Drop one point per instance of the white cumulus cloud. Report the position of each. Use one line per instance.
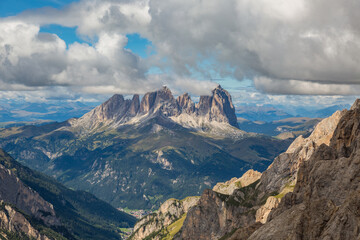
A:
(286, 47)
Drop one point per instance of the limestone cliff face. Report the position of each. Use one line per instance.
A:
(254, 205)
(217, 107)
(134, 106)
(222, 109)
(284, 169)
(112, 108)
(15, 196)
(117, 111)
(217, 214)
(160, 101)
(325, 203)
(228, 187)
(13, 221)
(170, 211)
(186, 104)
(281, 175)
(263, 212)
(13, 191)
(147, 102)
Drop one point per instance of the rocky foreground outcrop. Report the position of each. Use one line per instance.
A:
(228, 187)
(309, 192)
(29, 201)
(282, 172)
(13, 191)
(14, 223)
(218, 214)
(15, 195)
(169, 212)
(325, 203)
(117, 110)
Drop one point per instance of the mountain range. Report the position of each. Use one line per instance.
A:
(137, 154)
(270, 113)
(285, 128)
(15, 112)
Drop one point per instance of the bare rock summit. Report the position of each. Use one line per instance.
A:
(117, 110)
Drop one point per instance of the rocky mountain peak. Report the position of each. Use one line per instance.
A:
(110, 108)
(355, 105)
(222, 106)
(147, 102)
(185, 103)
(161, 101)
(116, 111)
(134, 106)
(218, 107)
(164, 96)
(165, 93)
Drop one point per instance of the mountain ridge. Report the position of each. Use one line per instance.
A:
(119, 111)
(148, 150)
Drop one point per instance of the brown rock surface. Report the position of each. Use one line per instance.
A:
(285, 167)
(213, 217)
(186, 104)
(217, 214)
(114, 107)
(263, 212)
(13, 221)
(134, 106)
(246, 179)
(13, 191)
(217, 107)
(325, 203)
(222, 109)
(170, 211)
(117, 110)
(147, 102)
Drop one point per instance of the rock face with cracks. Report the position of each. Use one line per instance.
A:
(228, 187)
(169, 212)
(117, 110)
(13, 221)
(13, 191)
(325, 203)
(312, 191)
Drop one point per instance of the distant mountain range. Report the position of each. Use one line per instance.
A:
(36, 112)
(285, 128)
(117, 111)
(137, 154)
(255, 113)
(270, 113)
(21, 113)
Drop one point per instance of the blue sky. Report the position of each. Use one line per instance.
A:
(11, 7)
(136, 43)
